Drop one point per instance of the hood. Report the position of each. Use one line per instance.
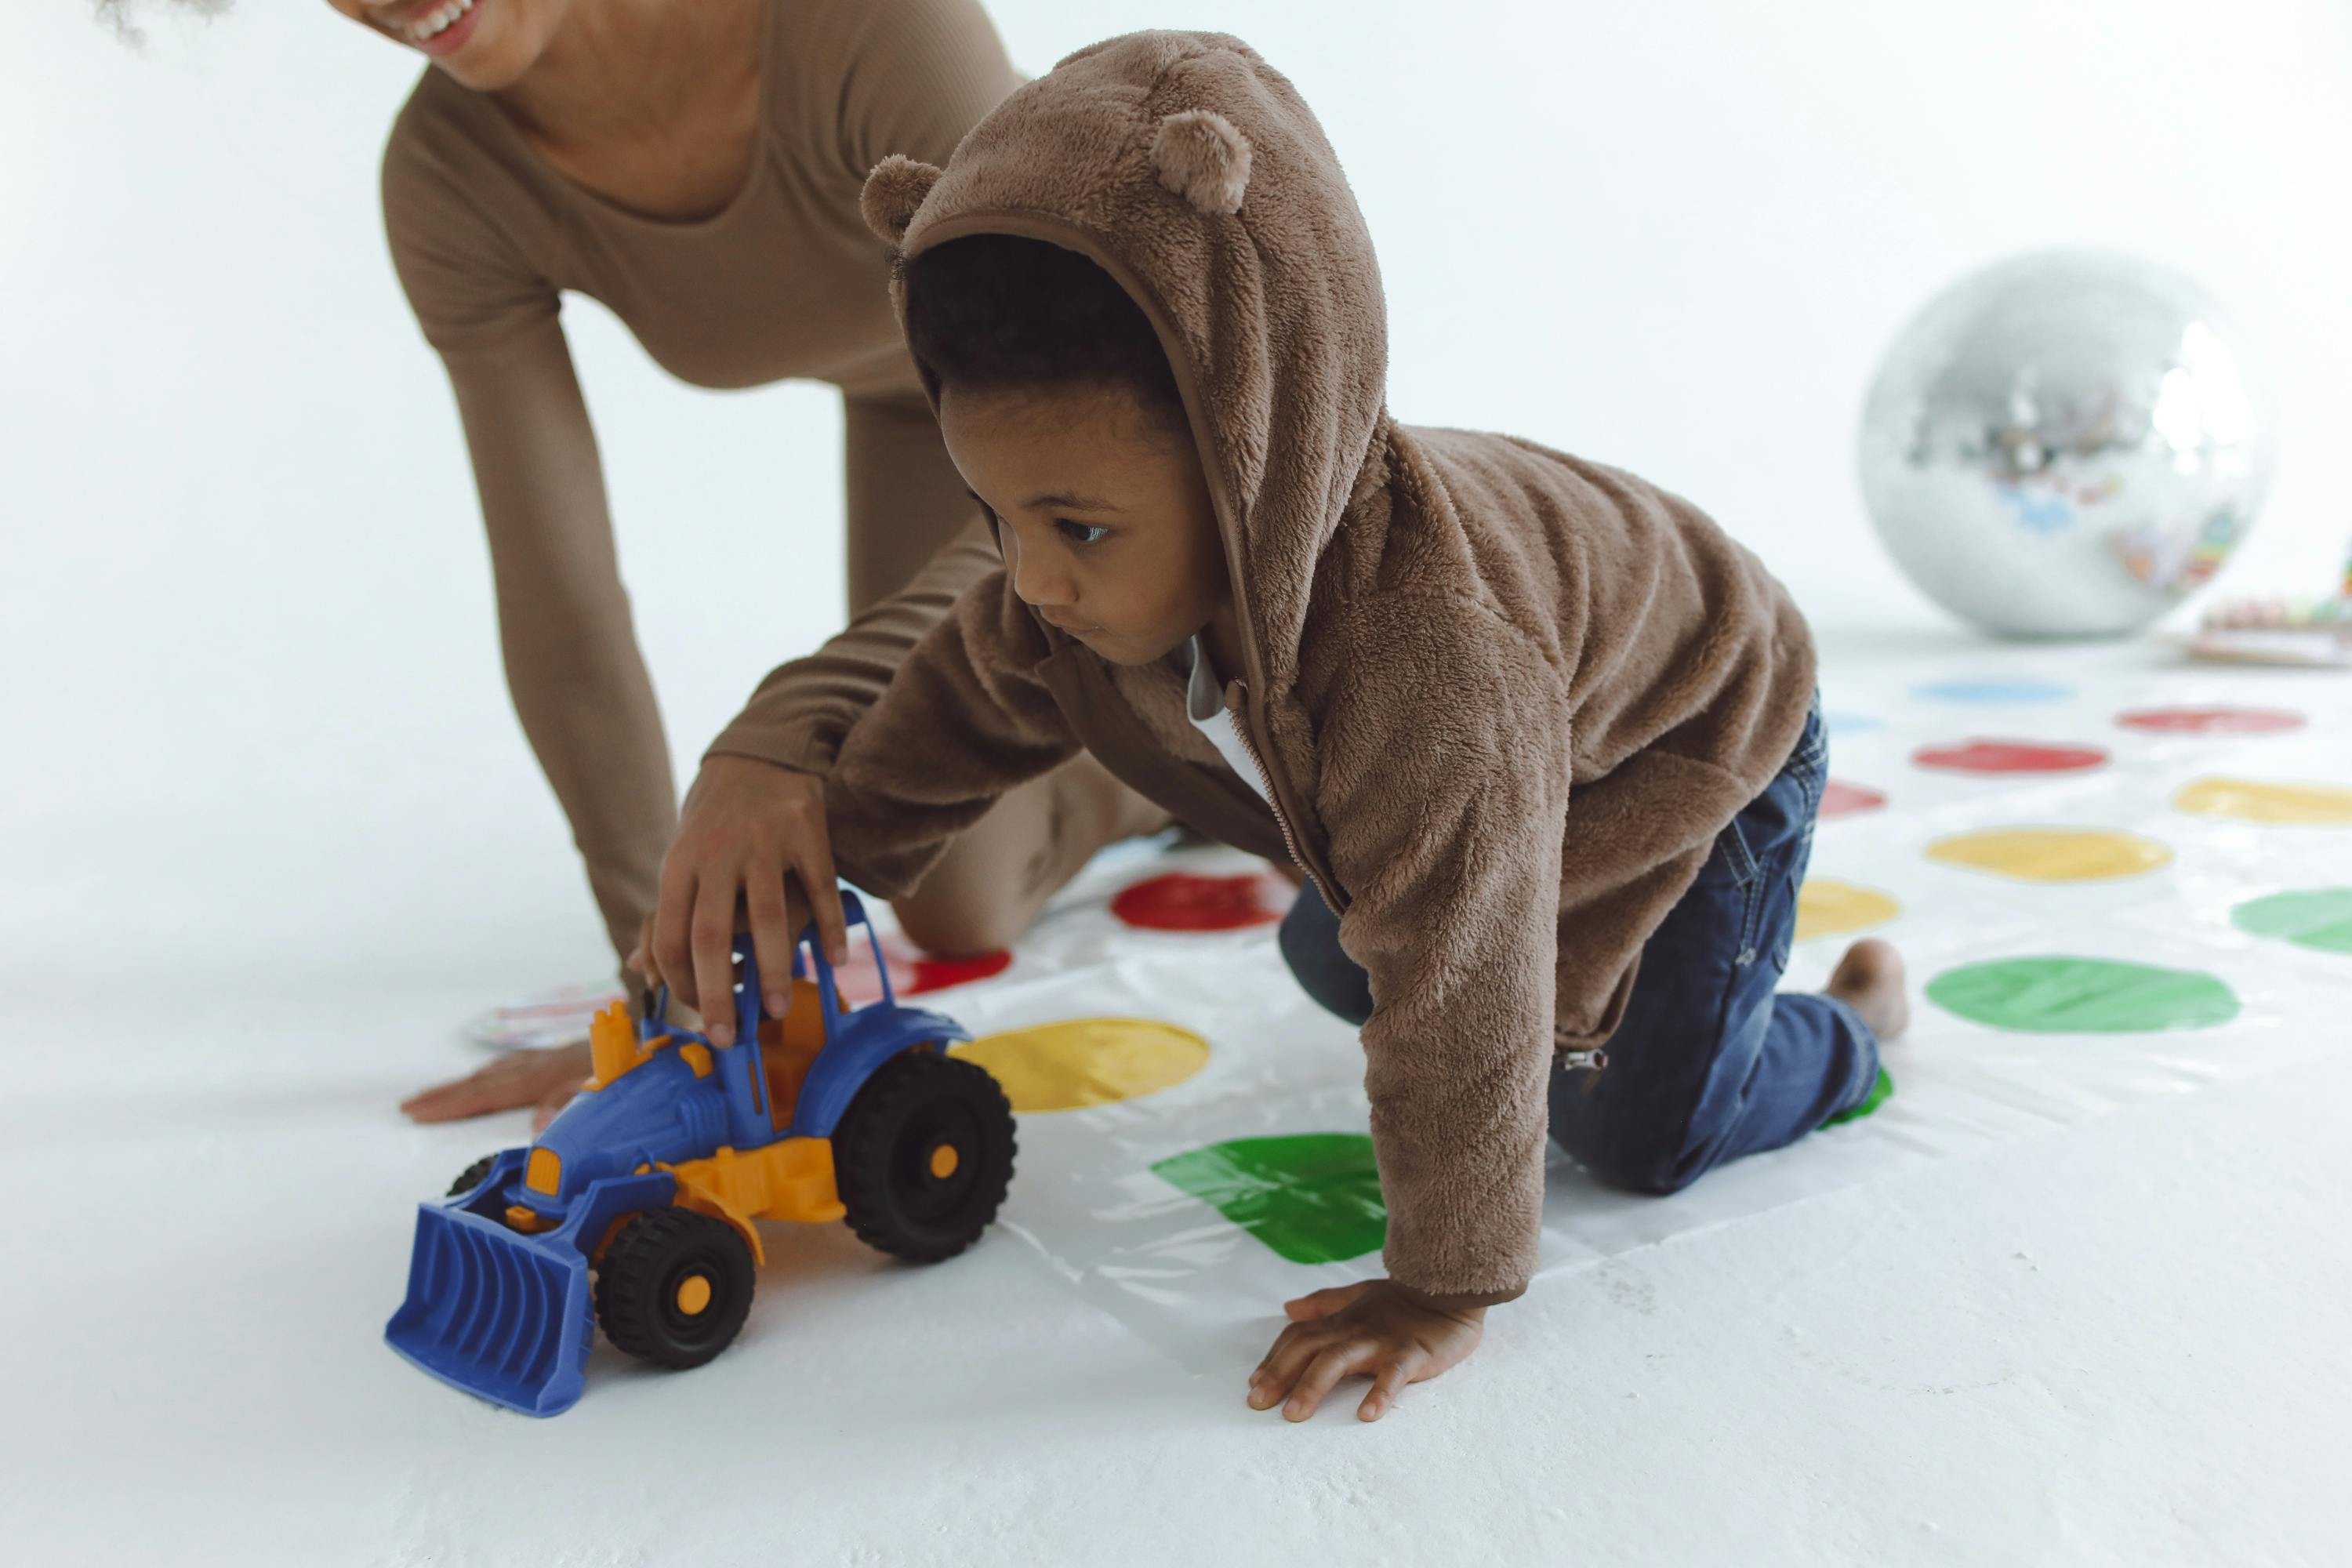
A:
(1191, 172)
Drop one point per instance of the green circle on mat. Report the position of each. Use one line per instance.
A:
(1312, 1197)
(1881, 1090)
(2317, 917)
(2082, 997)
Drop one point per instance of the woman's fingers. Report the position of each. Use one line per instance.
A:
(553, 1101)
(453, 1101)
(516, 1078)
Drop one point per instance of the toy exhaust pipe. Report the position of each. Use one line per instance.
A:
(504, 1316)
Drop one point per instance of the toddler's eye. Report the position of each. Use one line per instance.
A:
(1079, 532)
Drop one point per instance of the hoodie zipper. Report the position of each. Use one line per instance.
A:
(1239, 716)
(1591, 1061)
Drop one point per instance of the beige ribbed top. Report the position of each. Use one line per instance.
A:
(785, 281)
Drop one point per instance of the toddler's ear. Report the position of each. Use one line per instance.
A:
(893, 191)
(1202, 158)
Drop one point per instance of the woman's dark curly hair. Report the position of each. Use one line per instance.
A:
(993, 313)
(116, 14)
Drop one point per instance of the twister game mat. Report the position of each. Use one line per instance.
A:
(2112, 877)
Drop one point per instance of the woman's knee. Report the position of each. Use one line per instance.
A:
(962, 920)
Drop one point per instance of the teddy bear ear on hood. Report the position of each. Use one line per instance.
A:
(1200, 157)
(893, 191)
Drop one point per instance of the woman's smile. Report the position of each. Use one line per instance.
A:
(441, 30)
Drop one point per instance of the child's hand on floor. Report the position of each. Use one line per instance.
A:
(1379, 1327)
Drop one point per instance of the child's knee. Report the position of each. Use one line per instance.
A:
(1309, 941)
(1658, 1173)
(1650, 1163)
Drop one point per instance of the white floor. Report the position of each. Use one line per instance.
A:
(2118, 1337)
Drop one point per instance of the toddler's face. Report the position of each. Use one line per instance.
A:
(1106, 517)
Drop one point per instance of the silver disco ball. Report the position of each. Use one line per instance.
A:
(2066, 444)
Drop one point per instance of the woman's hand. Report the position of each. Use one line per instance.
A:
(545, 1077)
(1379, 1328)
(746, 825)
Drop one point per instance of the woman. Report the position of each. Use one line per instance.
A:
(696, 165)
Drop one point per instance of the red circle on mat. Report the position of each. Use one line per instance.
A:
(1181, 901)
(2009, 757)
(2212, 721)
(1845, 799)
(912, 971)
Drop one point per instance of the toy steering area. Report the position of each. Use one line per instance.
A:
(652, 1176)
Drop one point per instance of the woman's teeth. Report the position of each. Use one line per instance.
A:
(436, 23)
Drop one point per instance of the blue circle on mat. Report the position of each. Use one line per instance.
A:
(1851, 723)
(1994, 690)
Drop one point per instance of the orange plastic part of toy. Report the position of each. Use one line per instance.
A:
(612, 1047)
(789, 1045)
(791, 1179)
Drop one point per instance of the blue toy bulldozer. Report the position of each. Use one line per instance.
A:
(653, 1175)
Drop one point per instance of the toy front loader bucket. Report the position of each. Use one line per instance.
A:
(494, 1312)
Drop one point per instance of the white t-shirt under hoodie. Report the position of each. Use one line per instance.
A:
(1204, 704)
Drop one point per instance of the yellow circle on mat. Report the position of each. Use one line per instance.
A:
(1825, 907)
(693, 1294)
(2249, 800)
(1088, 1061)
(2052, 853)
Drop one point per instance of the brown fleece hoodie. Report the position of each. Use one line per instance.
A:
(1504, 698)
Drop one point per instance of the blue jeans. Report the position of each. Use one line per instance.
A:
(1709, 1062)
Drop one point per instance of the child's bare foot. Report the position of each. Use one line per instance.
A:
(1869, 979)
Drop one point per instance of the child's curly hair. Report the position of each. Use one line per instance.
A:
(117, 15)
(995, 313)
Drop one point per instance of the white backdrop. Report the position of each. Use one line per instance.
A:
(253, 716)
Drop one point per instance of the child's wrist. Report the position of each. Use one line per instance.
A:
(1472, 1305)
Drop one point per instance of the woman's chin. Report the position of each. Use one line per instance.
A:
(489, 49)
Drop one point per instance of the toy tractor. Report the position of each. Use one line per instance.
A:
(655, 1173)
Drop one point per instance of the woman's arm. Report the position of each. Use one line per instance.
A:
(911, 77)
(578, 684)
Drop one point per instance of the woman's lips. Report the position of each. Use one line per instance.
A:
(454, 32)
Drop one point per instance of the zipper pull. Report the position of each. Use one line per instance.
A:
(1583, 1061)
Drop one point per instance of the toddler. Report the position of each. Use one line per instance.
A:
(1542, 738)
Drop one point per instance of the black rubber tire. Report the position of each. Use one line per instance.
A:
(882, 1155)
(645, 1267)
(471, 1176)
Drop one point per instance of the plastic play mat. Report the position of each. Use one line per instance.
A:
(2112, 878)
